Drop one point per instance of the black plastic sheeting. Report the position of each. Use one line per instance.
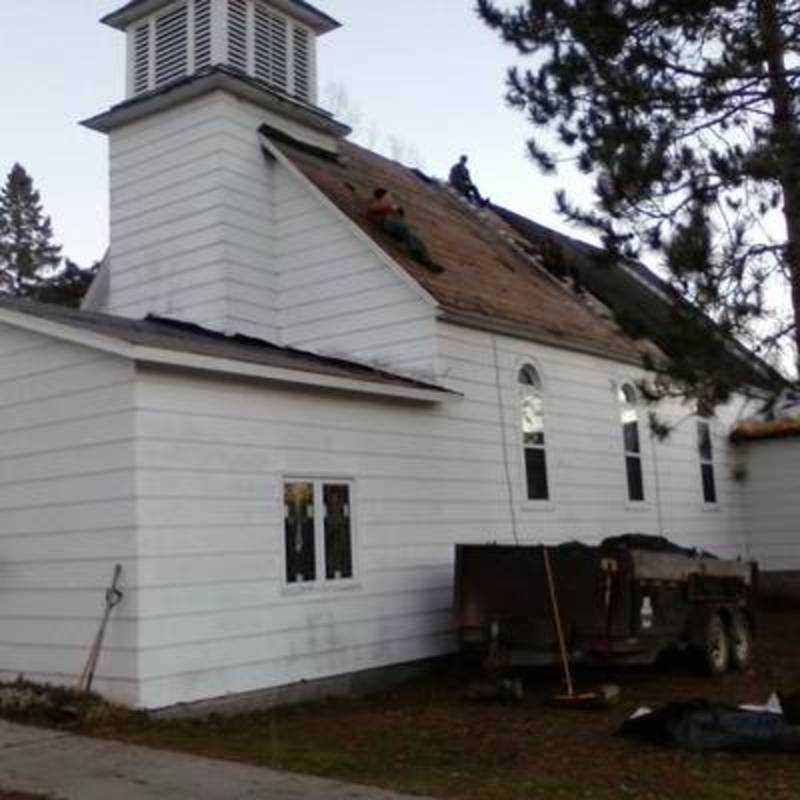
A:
(700, 726)
(653, 544)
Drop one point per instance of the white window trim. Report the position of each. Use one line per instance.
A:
(707, 505)
(630, 505)
(321, 585)
(526, 504)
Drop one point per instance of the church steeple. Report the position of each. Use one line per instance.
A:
(194, 228)
(273, 41)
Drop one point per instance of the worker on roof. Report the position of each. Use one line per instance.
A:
(391, 217)
(382, 206)
(461, 181)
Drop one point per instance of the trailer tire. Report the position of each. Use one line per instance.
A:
(716, 646)
(740, 637)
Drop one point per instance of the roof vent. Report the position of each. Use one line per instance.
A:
(261, 38)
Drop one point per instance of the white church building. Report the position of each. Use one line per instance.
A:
(278, 421)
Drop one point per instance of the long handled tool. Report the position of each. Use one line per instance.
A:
(571, 698)
(113, 598)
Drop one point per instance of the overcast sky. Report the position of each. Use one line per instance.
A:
(426, 71)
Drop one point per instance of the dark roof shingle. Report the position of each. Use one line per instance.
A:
(184, 337)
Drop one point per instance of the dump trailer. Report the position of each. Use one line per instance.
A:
(623, 602)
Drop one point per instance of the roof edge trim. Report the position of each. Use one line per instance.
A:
(317, 20)
(212, 79)
(217, 365)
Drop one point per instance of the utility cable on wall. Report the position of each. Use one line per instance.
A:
(504, 439)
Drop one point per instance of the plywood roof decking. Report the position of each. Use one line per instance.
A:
(483, 274)
(183, 337)
(755, 430)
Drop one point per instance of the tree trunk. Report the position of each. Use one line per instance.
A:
(788, 141)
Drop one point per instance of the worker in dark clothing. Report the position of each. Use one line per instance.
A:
(461, 181)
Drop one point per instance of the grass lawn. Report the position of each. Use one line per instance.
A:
(426, 738)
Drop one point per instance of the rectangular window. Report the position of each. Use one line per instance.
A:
(536, 473)
(706, 452)
(318, 531)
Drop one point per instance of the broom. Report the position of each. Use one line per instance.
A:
(571, 699)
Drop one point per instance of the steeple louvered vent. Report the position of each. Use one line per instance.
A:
(172, 45)
(141, 58)
(302, 63)
(252, 36)
(271, 47)
(237, 34)
(202, 34)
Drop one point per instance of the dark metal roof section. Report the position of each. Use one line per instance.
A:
(317, 20)
(636, 293)
(185, 337)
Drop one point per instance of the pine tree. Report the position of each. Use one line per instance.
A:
(28, 255)
(686, 113)
(67, 286)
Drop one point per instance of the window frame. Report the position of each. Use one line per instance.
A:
(528, 503)
(623, 405)
(708, 505)
(321, 583)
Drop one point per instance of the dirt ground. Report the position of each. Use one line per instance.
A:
(427, 738)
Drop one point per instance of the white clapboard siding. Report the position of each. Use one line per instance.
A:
(585, 452)
(207, 229)
(191, 226)
(772, 477)
(337, 295)
(212, 457)
(215, 616)
(66, 510)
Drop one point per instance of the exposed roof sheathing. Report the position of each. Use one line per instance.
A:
(755, 430)
(483, 274)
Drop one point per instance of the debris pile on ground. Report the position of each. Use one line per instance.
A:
(22, 701)
(700, 725)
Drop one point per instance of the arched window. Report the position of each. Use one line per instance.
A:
(629, 417)
(532, 407)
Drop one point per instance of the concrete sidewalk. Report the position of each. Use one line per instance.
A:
(69, 767)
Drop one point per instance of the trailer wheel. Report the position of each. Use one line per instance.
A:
(741, 641)
(716, 649)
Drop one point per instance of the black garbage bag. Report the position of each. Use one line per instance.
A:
(700, 725)
(653, 544)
